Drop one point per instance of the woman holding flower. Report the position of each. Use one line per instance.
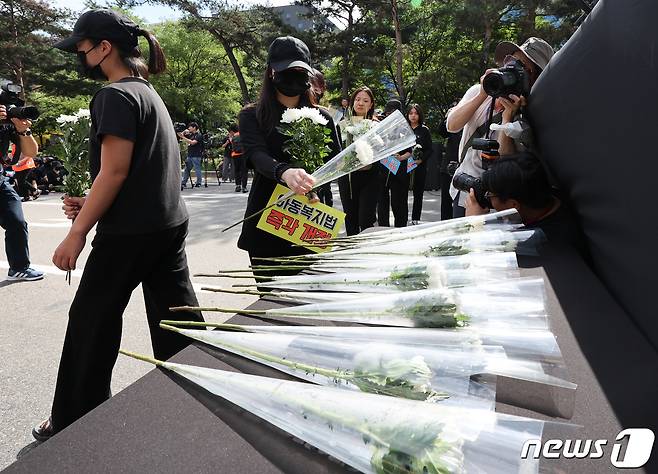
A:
(286, 98)
(136, 206)
(416, 119)
(359, 190)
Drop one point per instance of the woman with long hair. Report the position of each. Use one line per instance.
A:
(416, 119)
(286, 84)
(134, 202)
(359, 190)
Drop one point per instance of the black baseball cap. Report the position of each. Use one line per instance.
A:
(286, 52)
(101, 24)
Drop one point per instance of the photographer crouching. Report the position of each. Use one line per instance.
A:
(519, 181)
(12, 220)
(488, 114)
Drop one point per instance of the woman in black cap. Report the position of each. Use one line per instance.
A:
(286, 84)
(140, 218)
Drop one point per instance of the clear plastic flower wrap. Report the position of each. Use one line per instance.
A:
(391, 135)
(516, 304)
(417, 276)
(538, 345)
(502, 260)
(430, 231)
(437, 246)
(374, 433)
(424, 373)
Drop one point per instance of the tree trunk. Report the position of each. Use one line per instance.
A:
(347, 45)
(18, 62)
(486, 43)
(235, 64)
(398, 52)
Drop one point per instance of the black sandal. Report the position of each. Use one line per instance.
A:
(44, 431)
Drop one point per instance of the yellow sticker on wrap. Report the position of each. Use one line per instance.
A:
(298, 221)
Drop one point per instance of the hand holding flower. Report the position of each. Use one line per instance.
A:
(298, 180)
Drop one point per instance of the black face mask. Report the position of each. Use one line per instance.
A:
(91, 72)
(291, 83)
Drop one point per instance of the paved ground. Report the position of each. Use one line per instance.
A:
(33, 315)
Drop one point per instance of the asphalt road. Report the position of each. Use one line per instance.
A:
(33, 315)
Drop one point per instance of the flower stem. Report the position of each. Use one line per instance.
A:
(143, 358)
(172, 325)
(219, 310)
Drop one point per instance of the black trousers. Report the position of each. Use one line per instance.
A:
(419, 177)
(116, 266)
(395, 196)
(446, 200)
(13, 222)
(359, 192)
(241, 171)
(457, 210)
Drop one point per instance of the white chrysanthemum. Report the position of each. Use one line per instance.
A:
(83, 113)
(437, 276)
(358, 128)
(364, 152)
(419, 146)
(62, 119)
(293, 115)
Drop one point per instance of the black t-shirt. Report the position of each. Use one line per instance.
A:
(150, 199)
(264, 151)
(197, 148)
(562, 228)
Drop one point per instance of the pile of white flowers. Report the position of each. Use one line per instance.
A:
(294, 115)
(82, 113)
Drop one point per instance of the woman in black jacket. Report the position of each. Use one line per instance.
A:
(286, 84)
(424, 139)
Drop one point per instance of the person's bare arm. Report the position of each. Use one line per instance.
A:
(461, 113)
(116, 155)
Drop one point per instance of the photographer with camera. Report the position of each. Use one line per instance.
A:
(496, 100)
(11, 211)
(519, 181)
(194, 139)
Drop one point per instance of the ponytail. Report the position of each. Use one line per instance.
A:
(157, 60)
(134, 60)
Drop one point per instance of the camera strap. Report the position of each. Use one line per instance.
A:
(480, 132)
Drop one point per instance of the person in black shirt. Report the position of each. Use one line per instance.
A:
(192, 136)
(395, 187)
(451, 155)
(424, 139)
(135, 203)
(519, 181)
(285, 85)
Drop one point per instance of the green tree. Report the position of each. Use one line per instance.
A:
(239, 31)
(198, 84)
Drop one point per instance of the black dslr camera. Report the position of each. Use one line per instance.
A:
(488, 150)
(507, 80)
(180, 127)
(465, 182)
(9, 97)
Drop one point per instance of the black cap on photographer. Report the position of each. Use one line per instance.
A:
(101, 24)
